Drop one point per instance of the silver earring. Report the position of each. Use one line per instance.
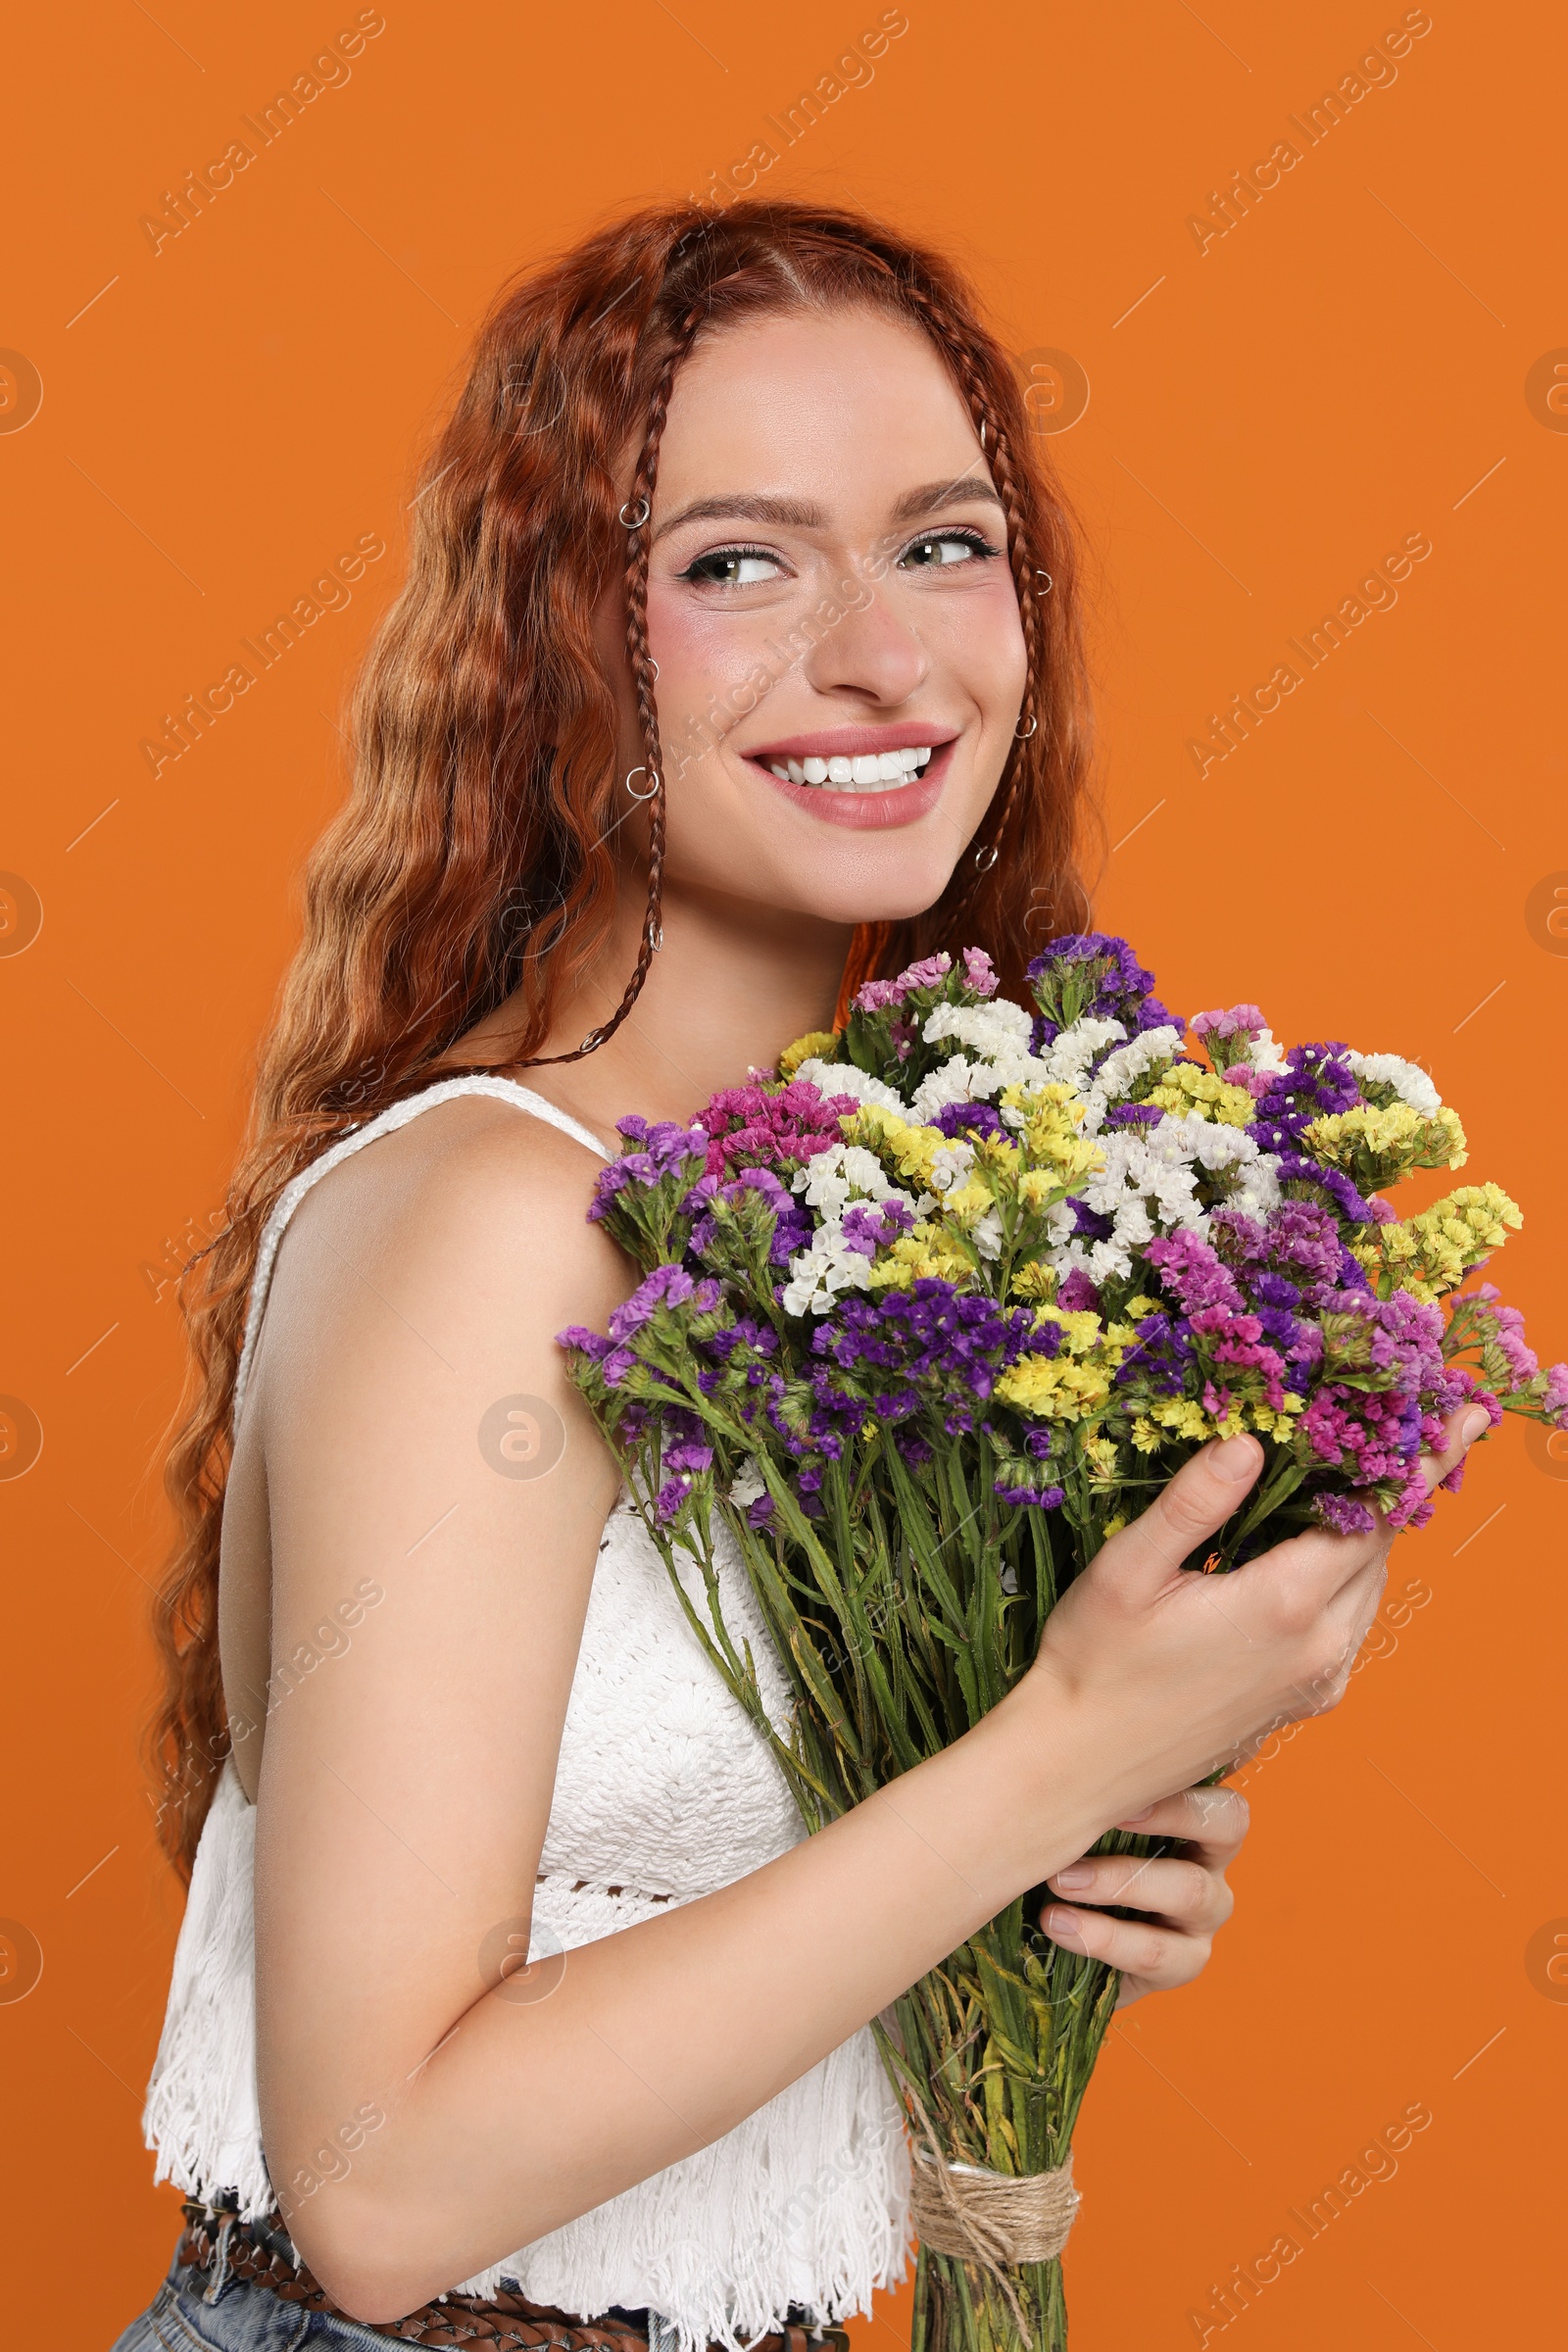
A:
(642, 795)
(985, 857)
(637, 516)
(1022, 734)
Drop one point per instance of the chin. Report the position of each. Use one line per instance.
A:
(863, 895)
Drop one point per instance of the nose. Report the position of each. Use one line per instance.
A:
(868, 652)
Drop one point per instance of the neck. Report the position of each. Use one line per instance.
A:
(732, 983)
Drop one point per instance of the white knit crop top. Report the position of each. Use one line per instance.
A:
(665, 1791)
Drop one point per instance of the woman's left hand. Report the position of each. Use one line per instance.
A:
(1182, 1895)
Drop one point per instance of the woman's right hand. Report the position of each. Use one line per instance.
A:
(1169, 1675)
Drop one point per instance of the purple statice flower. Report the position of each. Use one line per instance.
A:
(1192, 1273)
(870, 1225)
(1046, 1498)
(1076, 1293)
(932, 1346)
(615, 1362)
(792, 1219)
(877, 995)
(968, 1118)
(1134, 1114)
(668, 1500)
(1300, 1242)
(1293, 1168)
(1160, 1355)
(1238, 1021)
(665, 1285)
(685, 1445)
(1233, 1339)
(1228, 1036)
(980, 972)
(1345, 1514)
(760, 1513)
(1088, 1224)
(1092, 972)
(1317, 1080)
(762, 1126)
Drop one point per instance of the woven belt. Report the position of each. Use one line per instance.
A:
(503, 2322)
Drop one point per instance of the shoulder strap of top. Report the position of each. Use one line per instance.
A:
(504, 1089)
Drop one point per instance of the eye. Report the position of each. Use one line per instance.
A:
(936, 550)
(733, 568)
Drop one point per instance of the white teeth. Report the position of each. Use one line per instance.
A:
(868, 771)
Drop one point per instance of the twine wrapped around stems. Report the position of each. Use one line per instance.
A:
(996, 2219)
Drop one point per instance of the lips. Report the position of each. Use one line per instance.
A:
(863, 776)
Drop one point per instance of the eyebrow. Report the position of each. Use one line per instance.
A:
(788, 513)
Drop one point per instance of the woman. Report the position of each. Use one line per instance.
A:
(739, 652)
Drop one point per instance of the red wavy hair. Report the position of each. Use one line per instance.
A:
(469, 863)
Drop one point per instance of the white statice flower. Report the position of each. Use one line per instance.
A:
(833, 1181)
(1410, 1084)
(987, 1234)
(952, 1164)
(1262, 1054)
(1121, 1070)
(843, 1078)
(749, 1486)
(1000, 1028)
(1149, 1185)
(962, 1080)
(845, 1172)
(1066, 1061)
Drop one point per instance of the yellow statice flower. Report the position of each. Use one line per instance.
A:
(1432, 1252)
(1053, 1388)
(910, 1151)
(998, 1156)
(1036, 1280)
(916, 1256)
(1374, 1148)
(1186, 1088)
(968, 1203)
(817, 1044)
(1051, 1118)
(1100, 1456)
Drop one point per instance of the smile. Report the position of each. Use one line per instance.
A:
(862, 776)
(868, 771)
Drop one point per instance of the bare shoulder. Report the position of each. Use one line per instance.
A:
(414, 1426)
(462, 1234)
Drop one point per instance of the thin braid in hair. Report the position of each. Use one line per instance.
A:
(971, 382)
(639, 505)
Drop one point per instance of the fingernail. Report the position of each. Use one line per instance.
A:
(1472, 1425)
(1063, 1926)
(1235, 1459)
(1076, 1875)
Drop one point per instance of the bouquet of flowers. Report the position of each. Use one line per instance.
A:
(927, 1315)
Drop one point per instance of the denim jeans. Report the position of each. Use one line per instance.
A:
(247, 2317)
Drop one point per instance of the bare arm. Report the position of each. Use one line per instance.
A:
(405, 1790)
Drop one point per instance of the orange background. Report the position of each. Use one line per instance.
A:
(1268, 418)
